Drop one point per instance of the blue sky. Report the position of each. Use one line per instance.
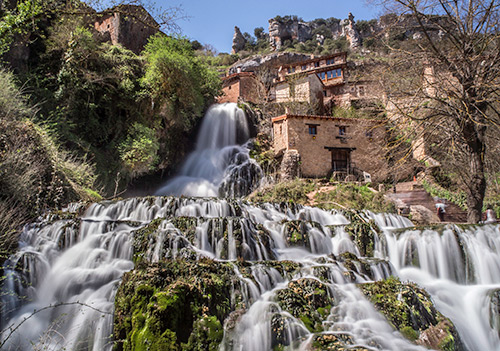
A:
(212, 21)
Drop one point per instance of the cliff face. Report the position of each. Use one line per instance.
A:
(292, 28)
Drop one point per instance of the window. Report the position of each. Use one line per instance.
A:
(342, 130)
(369, 134)
(330, 61)
(313, 128)
(329, 74)
(361, 91)
(304, 67)
(316, 64)
(291, 69)
(322, 75)
(324, 93)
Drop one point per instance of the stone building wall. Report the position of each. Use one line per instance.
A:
(127, 25)
(280, 136)
(230, 92)
(365, 137)
(240, 86)
(305, 89)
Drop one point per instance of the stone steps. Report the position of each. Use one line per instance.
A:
(412, 194)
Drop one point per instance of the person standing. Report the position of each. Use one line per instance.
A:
(440, 207)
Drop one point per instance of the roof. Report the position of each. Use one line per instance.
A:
(238, 75)
(332, 118)
(315, 59)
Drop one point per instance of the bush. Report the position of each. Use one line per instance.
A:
(139, 150)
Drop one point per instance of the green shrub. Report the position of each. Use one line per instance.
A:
(139, 150)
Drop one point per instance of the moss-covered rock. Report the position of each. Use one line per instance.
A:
(410, 310)
(163, 306)
(333, 342)
(362, 232)
(307, 299)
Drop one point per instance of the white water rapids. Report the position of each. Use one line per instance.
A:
(59, 288)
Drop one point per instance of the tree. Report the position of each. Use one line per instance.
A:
(447, 82)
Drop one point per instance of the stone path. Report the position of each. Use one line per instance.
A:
(412, 194)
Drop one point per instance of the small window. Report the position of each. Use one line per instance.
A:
(361, 91)
(304, 67)
(313, 129)
(316, 64)
(229, 88)
(342, 130)
(330, 61)
(324, 93)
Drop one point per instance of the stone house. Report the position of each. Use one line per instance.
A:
(242, 86)
(330, 72)
(343, 147)
(127, 25)
(302, 88)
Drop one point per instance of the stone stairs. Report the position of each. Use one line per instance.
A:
(412, 193)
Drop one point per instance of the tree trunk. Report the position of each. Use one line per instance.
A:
(476, 187)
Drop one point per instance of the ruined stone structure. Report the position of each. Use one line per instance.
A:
(242, 86)
(329, 145)
(127, 25)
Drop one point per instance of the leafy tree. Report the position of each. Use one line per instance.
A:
(178, 81)
(259, 33)
(455, 102)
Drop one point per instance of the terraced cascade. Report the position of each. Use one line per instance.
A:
(228, 275)
(200, 273)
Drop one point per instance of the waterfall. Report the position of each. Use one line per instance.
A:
(58, 290)
(220, 165)
(75, 262)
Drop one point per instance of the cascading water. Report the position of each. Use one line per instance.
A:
(220, 165)
(59, 288)
(81, 260)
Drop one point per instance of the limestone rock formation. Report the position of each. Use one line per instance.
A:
(292, 28)
(239, 41)
(351, 32)
(288, 29)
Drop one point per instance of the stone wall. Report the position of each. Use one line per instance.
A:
(231, 92)
(127, 25)
(364, 136)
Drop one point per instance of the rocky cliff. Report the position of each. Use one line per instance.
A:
(293, 28)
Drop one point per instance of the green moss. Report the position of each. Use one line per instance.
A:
(352, 196)
(294, 191)
(308, 300)
(173, 304)
(410, 310)
(409, 333)
(206, 336)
